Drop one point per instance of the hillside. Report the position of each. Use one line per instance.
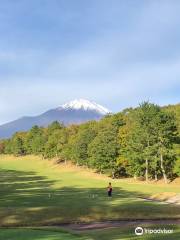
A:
(35, 192)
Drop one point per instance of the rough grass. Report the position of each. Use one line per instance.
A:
(35, 192)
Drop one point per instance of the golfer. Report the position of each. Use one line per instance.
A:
(109, 190)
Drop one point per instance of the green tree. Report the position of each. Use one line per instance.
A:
(17, 145)
(166, 135)
(150, 138)
(2, 146)
(56, 139)
(86, 133)
(35, 140)
(103, 150)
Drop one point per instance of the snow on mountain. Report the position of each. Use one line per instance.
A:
(74, 112)
(83, 104)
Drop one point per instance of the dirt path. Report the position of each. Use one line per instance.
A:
(118, 223)
(174, 199)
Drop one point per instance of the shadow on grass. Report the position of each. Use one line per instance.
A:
(30, 200)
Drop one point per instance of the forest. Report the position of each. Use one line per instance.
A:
(141, 142)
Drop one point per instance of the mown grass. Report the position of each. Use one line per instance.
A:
(39, 234)
(125, 233)
(34, 192)
(128, 233)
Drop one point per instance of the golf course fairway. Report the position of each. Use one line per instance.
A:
(36, 193)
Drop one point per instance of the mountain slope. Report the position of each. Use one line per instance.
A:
(76, 112)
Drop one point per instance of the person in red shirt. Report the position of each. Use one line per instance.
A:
(109, 190)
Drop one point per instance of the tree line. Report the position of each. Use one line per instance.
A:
(141, 142)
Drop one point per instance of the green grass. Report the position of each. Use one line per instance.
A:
(38, 234)
(125, 233)
(128, 233)
(34, 193)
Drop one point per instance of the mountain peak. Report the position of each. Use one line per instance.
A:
(74, 112)
(84, 104)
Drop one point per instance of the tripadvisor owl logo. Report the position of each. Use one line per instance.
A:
(139, 231)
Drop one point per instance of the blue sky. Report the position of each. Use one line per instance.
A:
(117, 53)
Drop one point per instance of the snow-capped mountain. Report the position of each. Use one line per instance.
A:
(74, 112)
(83, 104)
